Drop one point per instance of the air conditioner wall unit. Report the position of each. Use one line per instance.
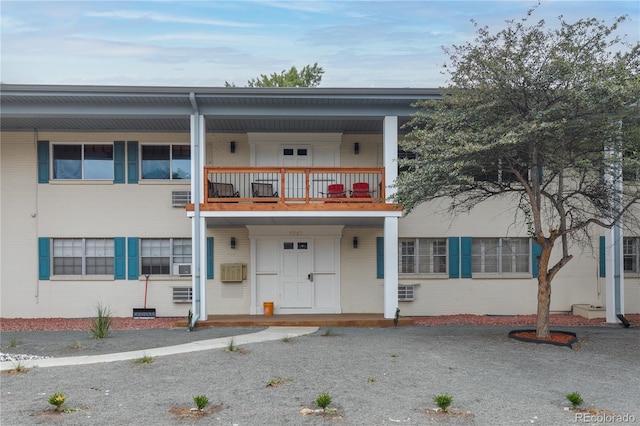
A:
(181, 269)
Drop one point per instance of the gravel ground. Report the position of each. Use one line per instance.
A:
(375, 376)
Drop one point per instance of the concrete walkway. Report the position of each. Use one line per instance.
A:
(270, 334)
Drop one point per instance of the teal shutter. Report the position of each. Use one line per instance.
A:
(454, 257)
(536, 250)
(133, 258)
(44, 259)
(380, 257)
(43, 162)
(465, 258)
(118, 162)
(209, 258)
(132, 162)
(603, 257)
(119, 258)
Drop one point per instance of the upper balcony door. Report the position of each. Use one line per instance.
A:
(295, 156)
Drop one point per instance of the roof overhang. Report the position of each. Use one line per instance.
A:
(150, 108)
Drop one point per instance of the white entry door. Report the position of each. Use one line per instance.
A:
(296, 277)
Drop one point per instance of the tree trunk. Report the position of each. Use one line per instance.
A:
(544, 302)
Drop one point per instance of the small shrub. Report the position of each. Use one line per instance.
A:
(575, 399)
(144, 360)
(323, 400)
(201, 401)
(57, 399)
(443, 401)
(101, 323)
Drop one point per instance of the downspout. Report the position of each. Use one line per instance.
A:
(195, 199)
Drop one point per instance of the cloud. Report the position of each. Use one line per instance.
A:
(157, 17)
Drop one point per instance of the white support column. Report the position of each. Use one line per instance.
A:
(390, 266)
(202, 133)
(390, 152)
(198, 223)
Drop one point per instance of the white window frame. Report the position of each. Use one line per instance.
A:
(479, 261)
(74, 248)
(421, 244)
(173, 257)
(82, 160)
(631, 250)
(170, 161)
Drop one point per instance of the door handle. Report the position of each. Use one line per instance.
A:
(310, 277)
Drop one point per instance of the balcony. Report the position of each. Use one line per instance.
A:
(294, 189)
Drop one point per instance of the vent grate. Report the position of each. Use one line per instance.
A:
(232, 272)
(180, 198)
(182, 294)
(405, 293)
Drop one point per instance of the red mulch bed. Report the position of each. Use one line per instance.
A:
(128, 323)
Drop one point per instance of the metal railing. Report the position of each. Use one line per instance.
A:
(294, 184)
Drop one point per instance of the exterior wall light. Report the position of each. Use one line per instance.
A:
(233, 242)
(355, 242)
(232, 146)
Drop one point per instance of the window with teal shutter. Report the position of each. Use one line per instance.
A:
(454, 257)
(119, 261)
(210, 258)
(132, 162)
(43, 161)
(465, 258)
(380, 257)
(536, 250)
(603, 257)
(133, 257)
(118, 162)
(44, 259)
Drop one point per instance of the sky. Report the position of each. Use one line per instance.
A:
(207, 43)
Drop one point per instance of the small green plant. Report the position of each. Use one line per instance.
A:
(394, 355)
(371, 379)
(144, 360)
(201, 401)
(12, 343)
(287, 339)
(575, 399)
(101, 323)
(443, 401)
(231, 347)
(277, 380)
(76, 346)
(323, 400)
(19, 368)
(57, 399)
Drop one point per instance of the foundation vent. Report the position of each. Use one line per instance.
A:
(182, 294)
(405, 293)
(233, 272)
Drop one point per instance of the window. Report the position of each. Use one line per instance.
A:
(500, 255)
(83, 256)
(166, 162)
(161, 256)
(422, 256)
(496, 173)
(83, 161)
(631, 254)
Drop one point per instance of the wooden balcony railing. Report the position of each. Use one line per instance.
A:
(228, 188)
